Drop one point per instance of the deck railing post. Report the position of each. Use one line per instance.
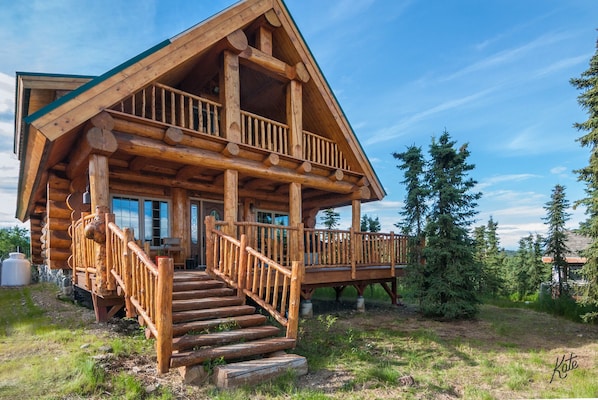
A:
(392, 247)
(353, 250)
(242, 267)
(164, 313)
(210, 222)
(127, 272)
(297, 272)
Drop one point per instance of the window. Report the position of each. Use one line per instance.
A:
(148, 218)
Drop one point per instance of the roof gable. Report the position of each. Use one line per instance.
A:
(172, 60)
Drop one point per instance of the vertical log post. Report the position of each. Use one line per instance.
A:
(128, 273)
(164, 313)
(210, 222)
(231, 97)
(393, 256)
(242, 268)
(294, 221)
(297, 272)
(180, 219)
(353, 251)
(100, 196)
(295, 118)
(231, 200)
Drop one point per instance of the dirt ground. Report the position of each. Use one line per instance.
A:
(379, 315)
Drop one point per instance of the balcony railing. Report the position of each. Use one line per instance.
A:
(174, 107)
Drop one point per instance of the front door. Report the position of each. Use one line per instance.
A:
(199, 210)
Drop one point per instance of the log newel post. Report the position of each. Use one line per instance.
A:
(353, 251)
(392, 248)
(297, 272)
(164, 313)
(128, 273)
(210, 222)
(242, 268)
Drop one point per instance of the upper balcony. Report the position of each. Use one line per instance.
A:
(173, 107)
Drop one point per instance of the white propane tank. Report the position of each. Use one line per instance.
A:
(16, 270)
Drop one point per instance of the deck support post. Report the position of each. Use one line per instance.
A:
(100, 197)
(164, 313)
(231, 199)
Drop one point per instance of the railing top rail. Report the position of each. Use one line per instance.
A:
(186, 94)
(117, 231)
(263, 225)
(326, 230)
(262, 118)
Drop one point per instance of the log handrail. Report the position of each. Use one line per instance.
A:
(321, 150)
(276, 288)
(174, 107)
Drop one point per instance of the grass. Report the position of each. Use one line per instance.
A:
(43, 359)
(505, 353)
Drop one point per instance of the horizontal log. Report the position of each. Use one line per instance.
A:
(59, 239)
(56, 254)
(57, 195)
(58, 209)
(231, 150)
(54, 182)
(54, 264)
(148, 148)
(272, 19)
(102, 120)
(59, 224)
(304, 168)
(272, 66)
(272, 159)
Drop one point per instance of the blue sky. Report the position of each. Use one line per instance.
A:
(493, 73)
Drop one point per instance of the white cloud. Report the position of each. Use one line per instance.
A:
(488, 182)
(558, 170)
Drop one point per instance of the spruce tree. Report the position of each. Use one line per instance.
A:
(414, 211)
(447, 284)
(330, 219)
(555, 243)
(587, 83)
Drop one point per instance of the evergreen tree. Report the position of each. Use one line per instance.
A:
(369, 224)
(446, 285)
(490, 257)
(587, 83)
(555, 243)
(415, 209)
(330, 219)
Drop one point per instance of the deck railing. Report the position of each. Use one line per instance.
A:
(264, 133)
(273, 241)
(147, 288)
(171, 106)
(83, 250)
(273, 286)
(320, 150)
(333, 248)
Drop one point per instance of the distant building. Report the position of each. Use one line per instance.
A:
(576, 244)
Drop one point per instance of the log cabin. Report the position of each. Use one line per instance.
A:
(215, 148)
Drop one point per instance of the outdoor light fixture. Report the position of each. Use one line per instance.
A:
(86, 196)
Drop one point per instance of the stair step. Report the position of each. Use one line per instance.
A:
(200, 294)
(181, 286)
(232, 351)
(242, 321)
(211, 339)
(208, 302)
(207, 313)
(180, 276)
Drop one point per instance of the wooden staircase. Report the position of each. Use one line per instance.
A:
(211, 322)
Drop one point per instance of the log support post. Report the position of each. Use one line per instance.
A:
(231, 200)
(295, 118)
(295, 218)
(297, 271)
(230, 96)
(100, 197)
(180, 220)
